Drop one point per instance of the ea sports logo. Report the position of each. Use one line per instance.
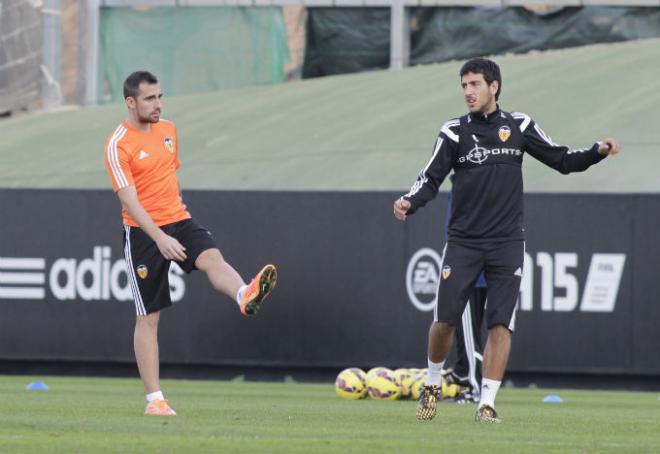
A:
(422, 278)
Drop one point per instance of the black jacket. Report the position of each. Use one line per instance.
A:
(485, 153)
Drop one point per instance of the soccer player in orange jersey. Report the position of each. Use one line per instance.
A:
(141, 157)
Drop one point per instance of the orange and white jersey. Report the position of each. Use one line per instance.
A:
(147, 161)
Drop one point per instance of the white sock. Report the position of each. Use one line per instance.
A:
(157, 395)
(489, 390)
(435, 373)
(239, 294)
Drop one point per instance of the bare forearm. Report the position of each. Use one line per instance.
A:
(167, 245)
(131, 203)
(140, 215)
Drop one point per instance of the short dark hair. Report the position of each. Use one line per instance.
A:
(132, 83)
(488, 68)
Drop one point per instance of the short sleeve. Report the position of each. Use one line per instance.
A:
(117, 163)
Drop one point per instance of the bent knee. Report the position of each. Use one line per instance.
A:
(208, 259)
(442, 327)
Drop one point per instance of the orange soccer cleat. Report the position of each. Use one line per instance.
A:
(159, 407)
(258, 289)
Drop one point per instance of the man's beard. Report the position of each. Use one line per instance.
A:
(148, 118)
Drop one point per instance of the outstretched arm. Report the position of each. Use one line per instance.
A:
(560, 157)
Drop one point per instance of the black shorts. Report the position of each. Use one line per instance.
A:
(147, 268)
(461, 265)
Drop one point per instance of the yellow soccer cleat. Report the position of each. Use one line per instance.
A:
(428, 402)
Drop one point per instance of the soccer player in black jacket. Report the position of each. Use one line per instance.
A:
(485, 150)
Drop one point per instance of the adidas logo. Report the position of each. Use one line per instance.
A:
(518, 272)
(143, 154)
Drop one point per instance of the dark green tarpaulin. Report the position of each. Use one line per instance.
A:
(346, 40)
(343, 40)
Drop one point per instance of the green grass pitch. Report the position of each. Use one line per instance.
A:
(105, 415)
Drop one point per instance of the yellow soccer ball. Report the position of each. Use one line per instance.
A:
(450, 390)
(414, 373)
(383, 385)
(405, 380)
(351, 384)
(374, 371)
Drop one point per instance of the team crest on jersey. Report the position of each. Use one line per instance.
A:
(169, 144)
(142, 271)
(504, 132)
(446, 271)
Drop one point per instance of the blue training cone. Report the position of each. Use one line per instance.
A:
(37, 385)
(553, 399)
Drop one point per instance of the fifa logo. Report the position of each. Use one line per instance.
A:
(550, 282)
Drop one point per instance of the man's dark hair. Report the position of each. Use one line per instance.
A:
(488, 68)
(132, 83)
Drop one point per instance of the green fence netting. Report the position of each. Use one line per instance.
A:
(192, 49)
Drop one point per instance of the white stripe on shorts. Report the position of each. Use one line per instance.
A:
(468, 338)
(512, 322)
(437, 290)
(130, 270)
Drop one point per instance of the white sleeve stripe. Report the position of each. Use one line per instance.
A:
(448, 132)
(418, 185)
(544, 136)
(422, 176)
(109, 154)
(422, 179)
(113, 159)
(438, 144)
(526, 120)
(117, 171)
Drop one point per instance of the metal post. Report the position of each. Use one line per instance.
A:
(52, 52)
(91, 53)
(399, 35)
